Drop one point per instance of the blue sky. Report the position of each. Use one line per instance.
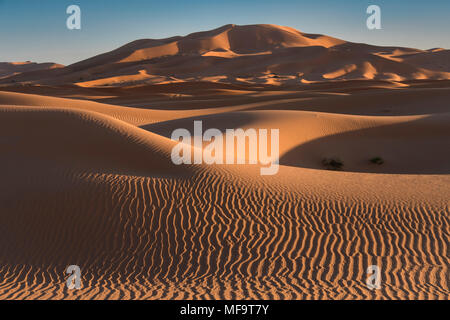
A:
(36, 30)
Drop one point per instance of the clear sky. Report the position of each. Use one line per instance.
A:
(36, 30)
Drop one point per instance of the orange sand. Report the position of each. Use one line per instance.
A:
(87, 178)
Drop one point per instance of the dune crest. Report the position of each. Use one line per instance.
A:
(255, 54)
(8, 69)
(87, 176)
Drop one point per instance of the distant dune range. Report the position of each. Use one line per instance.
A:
(256, 54)
(8, 69)
(87, 178)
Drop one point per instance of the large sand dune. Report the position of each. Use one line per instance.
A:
(256, 54)
(87, 177)
(86, 187)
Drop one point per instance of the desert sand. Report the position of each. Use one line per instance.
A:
(87, 177)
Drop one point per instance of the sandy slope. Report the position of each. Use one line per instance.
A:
(255, 54)
(134, 116)
(409, 144)
(87, 177)
(11, 68)
(92, 184)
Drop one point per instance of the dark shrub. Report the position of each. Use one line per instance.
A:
(377, 160)
(332, 164)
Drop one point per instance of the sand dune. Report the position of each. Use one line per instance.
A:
(87, 177)
(134, 116)
(86, 187)
(306, 138)
(255, 54)
(8, 69)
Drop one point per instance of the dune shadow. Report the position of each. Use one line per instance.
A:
(416, 147)
(239, 120)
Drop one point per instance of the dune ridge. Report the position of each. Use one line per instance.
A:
(87, 177)
(8, 69)
(204, 232)
(254, 54)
